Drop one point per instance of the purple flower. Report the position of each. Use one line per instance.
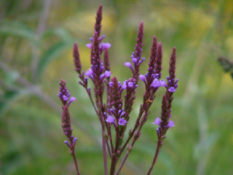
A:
(72, 99)
(105, 46)
(170, 124)
(102, 46)
(142, 77)
(130, 84)
(171, 89)
(65, 98)
(157, 121)
(89, 73)
(122, 121)
(89, 45)
(128, 64)
(110, 119)
(107, 74)
(156, 83)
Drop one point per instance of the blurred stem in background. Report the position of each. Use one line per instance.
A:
(40, 30)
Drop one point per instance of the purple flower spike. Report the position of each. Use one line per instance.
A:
(171, 124)
(110, 119)
(157, 121)
(122, 121)
(76, 58)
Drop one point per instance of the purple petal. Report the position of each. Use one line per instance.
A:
(89, 73)
(157, 121)
(163, 83)
(72, 99)
(122, 121)
(65, 98)
(135, 60)
(171, 89)
(105, 46)
(67, 143)
(74, 140)
(124, 86)
(130, 84)
(89, 45)
(110, 119)
(107, 74)
(170, 124)
(156, 83)
(142, 77)
(128, 64)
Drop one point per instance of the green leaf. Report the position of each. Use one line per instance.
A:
(9, 98)
(51, 54)
(14, 28)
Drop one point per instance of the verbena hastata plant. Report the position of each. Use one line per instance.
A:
(114, 110)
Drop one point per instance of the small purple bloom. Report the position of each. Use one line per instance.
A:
(107, 74)
(130, 84)
(156, 83)
(157, 121)
(122, 121)
(163, 82)
(74, 140)
(128, 64)
(110, 119)
(72, 99)
(65, 98)
(89, 73)
(170, 124)
(142, 77)
(171, 89)
(67, 143)
(105, 46)
(135, 60)
(89, 45)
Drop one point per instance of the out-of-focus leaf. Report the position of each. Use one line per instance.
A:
(14, 28)
(205, 147)
(9, 98)
(11, 76)
(62, 33)
(51, 54)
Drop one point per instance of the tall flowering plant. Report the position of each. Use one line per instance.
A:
(114, 111)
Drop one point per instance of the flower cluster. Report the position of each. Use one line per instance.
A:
(66, 100)
(113, 100)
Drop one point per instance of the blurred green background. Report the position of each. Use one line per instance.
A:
(36, 40)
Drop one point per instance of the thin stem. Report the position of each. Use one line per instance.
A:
(104, 152)
(75, 162)
(123, 162)
(159, 144)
